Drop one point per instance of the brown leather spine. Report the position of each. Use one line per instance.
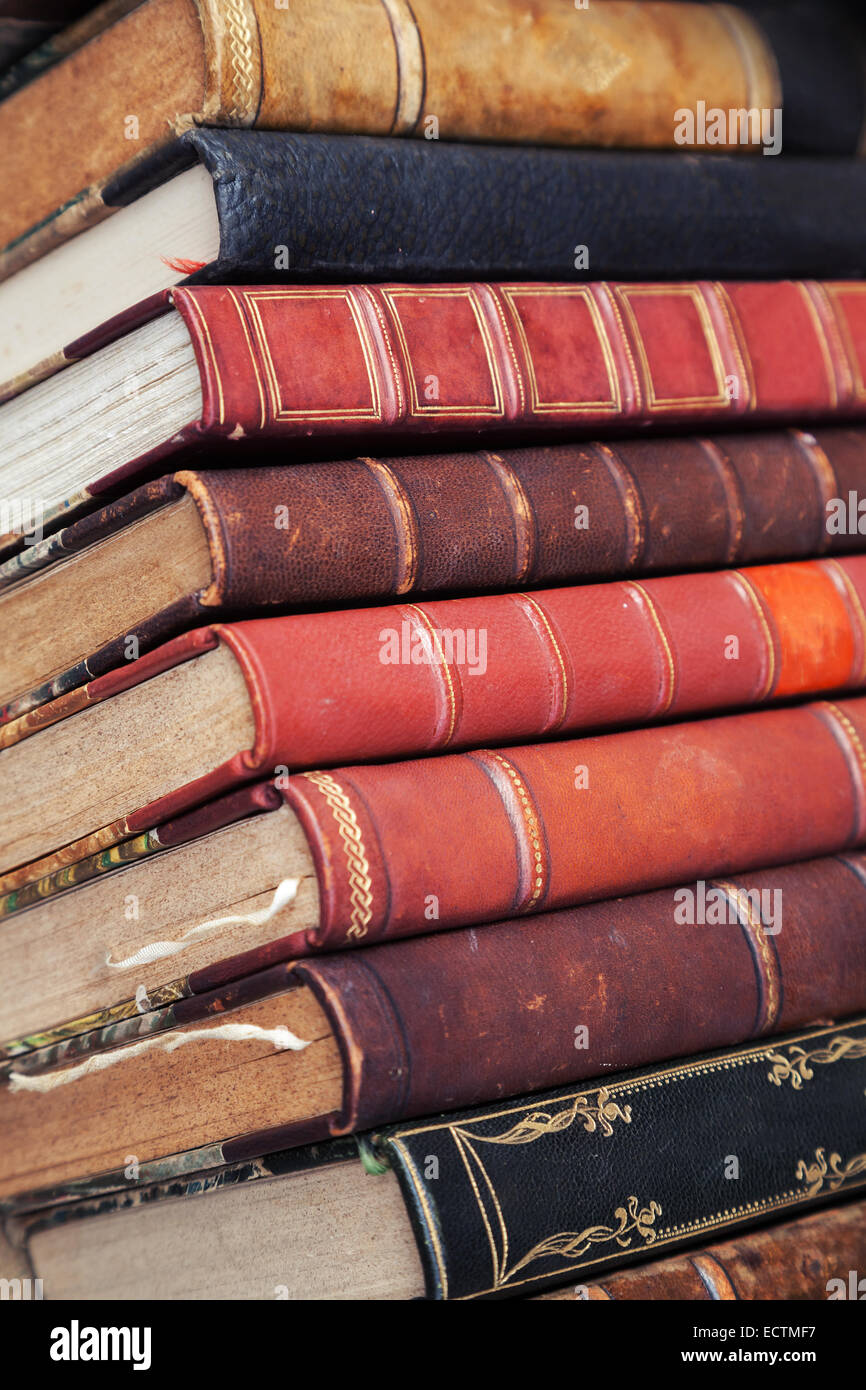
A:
(609, 74)
(798, 1261)
(375, 527)
(442, 522)
(452, 1020)
(417, 846)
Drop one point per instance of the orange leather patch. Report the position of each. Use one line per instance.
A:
(817, 646)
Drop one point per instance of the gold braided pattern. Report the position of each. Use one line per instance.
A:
(360, 882)
(240, 35)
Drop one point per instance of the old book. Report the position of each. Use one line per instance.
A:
(611, 74)
(266, 539)
(398, 848)
(268, 206)
(505, 1008)
(448, 674)
(502, 1201)
(810, 1259)
(219, 368)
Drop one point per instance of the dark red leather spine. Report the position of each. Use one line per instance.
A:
(331, 360)
(547, 515)
(371, 527)
(460, 1018)
(411, 847)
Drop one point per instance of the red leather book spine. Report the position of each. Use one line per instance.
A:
(411, 847)
(375, 684)
(380, 683)
(299, 361)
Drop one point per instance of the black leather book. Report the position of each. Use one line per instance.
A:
(361, 207)
(504, 1201)
(269, 207)
(518, 1196)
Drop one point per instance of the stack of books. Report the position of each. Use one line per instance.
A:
(433, 671)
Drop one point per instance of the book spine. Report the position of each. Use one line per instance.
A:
(684, 970)
(294, 182)
(609, 77)
(515, 667)
(810, 1259)
(418, 846)
(377, 527)
(331, 360)
(570, 1184)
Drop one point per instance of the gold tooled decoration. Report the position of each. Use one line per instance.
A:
(829, 1171)
(797, 1066)
(595, 1113)
(360, 882)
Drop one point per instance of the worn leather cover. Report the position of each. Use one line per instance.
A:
(383, 683)
(377, 527)
(570, 1184)
(379, 683)
(457, 1019)
(355, 208)
(806, 1260)
(469, 837)
(422, 1024)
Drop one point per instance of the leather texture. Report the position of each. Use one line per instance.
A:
(396, 682)
(570, 1184)
(377, 527)
(280, 363)
(801, 1261)
(361, 208)
(415, 678)
(464, 1017)
(477, 836)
